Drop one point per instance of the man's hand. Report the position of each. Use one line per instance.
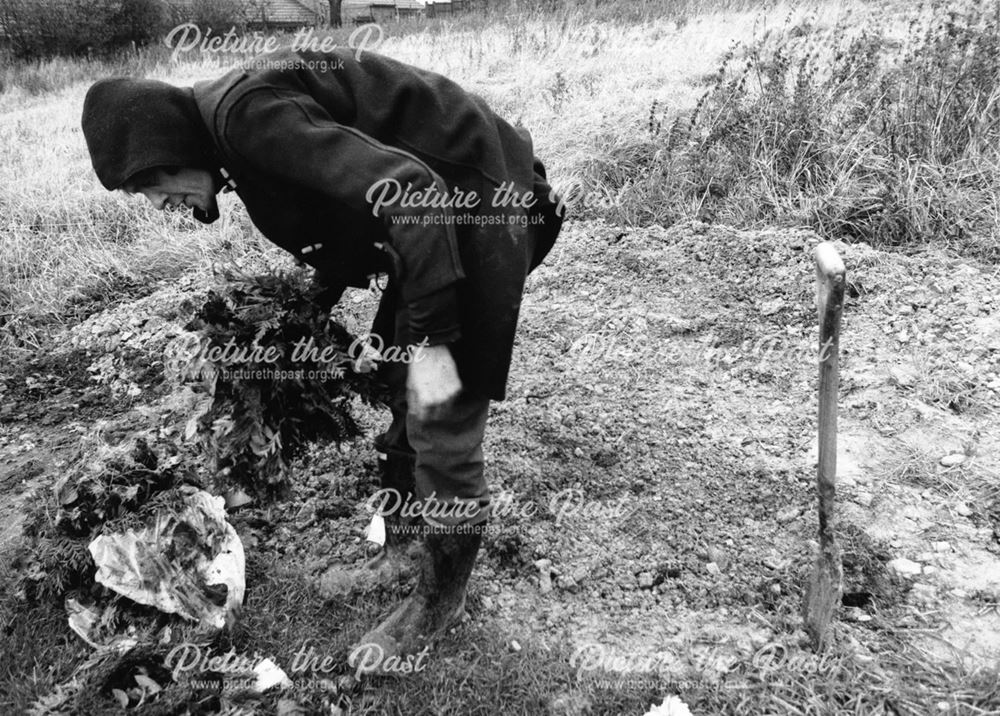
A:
(432, 381)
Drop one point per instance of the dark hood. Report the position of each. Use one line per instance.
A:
(132, 124)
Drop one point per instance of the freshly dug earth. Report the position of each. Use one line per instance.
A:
(656, 457)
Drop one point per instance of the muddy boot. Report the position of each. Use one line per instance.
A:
(398, 560)
(398, 644)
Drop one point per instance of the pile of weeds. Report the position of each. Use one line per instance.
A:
(275, 375)
(106, 490)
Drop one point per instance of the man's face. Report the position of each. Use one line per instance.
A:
(188, 187)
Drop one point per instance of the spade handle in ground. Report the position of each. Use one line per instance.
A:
(824, 592)
(830, 279)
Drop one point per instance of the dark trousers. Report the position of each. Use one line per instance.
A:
(450, 486)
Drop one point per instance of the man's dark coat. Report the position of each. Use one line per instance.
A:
(305, 146)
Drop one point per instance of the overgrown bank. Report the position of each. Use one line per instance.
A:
(883, 126)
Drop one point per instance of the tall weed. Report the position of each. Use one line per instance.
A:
(856, 132)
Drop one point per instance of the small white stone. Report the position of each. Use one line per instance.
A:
(544, 575)
(864, 498)
(769, 308)
(776, 563)
(963, 509)
(904, 567)
(788, 514)
(922, 593)
(713, 568)
(904, 377)
(718, 556)
(953, 459)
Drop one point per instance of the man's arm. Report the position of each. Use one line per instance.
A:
(289, 136)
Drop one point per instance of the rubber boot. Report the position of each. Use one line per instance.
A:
(397, 645)
(398, 560)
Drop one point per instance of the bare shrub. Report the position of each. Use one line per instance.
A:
(42, 28)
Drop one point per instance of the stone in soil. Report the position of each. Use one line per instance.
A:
(544, 575)
(904, 567)
(788, 514)
(719, 557)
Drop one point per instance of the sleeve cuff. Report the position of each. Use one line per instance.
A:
(434, 317)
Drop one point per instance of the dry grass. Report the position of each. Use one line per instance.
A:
(576, 75)
(880, 126)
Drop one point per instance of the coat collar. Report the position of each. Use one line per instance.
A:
(210, 95)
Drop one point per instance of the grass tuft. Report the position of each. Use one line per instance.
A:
(849, 129)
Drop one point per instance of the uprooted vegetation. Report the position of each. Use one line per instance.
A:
(127, 535)
(274, 375)
(254, 413)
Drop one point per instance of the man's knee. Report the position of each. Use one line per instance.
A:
(450, 465)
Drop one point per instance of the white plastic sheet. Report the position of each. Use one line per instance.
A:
(671, 706)
(175, 564)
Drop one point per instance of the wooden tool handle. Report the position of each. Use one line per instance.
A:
(830, 280)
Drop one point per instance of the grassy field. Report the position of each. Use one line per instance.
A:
(664, 355)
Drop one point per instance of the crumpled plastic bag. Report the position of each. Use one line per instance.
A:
(269, 675)
(189, 563)
(86, 620)
(82, 619)
(671, 706)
